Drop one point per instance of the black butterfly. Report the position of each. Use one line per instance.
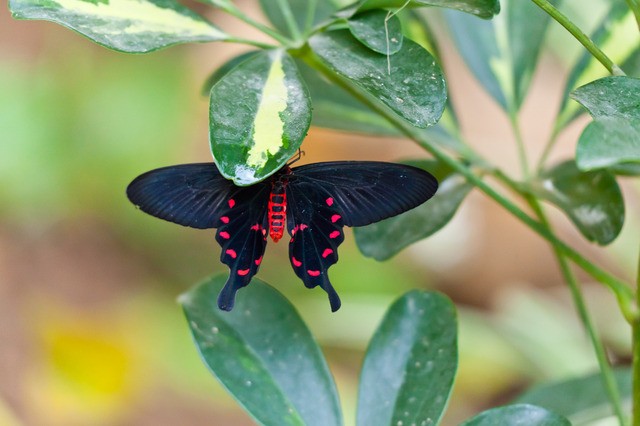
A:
(314, 201)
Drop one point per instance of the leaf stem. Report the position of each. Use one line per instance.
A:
(522, 153)
(634, 5)
(232, 10)
(580, 36)
(606, 373)
(249, 42)
(553, 138)
(285, 8)
(311, 14)
(636, 357)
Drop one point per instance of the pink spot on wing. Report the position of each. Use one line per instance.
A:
(303, 227)
(225, 235)
(335, 218)
(232, 253)
(243, 272)
(326, 252)
(232, 203)
(224, 219)
(329, 201)
(255, 227)
(334, 234)
(313, 273)
(258, 260)
(294, 230)
(295, 262)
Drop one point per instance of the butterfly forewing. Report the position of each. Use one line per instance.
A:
(196, 195)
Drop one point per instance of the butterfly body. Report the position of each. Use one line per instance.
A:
(314, 202)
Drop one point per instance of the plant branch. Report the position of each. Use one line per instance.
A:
(522, 153)
(232, 10)
(606, 373)
(580, 36)
(636, 357)
(289, 19)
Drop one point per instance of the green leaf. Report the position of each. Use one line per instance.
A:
(613, 138)
(259, 115)
(263, 353)
(378, 31)
(224, 70)
(384, 239)
(521, 414)
(132, 26)
(485, 9)
(304, 13)
(615, 35)
(413, 87)
(592, 200)
(503, 53)
(582, 400)
(410, 364)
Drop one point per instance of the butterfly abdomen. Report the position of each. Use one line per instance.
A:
(277, 210)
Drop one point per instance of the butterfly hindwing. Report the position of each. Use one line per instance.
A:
(197, 195)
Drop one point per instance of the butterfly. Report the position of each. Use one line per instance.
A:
(314, 202)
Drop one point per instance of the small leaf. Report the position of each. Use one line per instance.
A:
(614, 136)
(582, 400)
(259, 115)
(485, 9)
(503, 53)
(224, 70)
(304, 18)
(592, 200)
(520, 414)
(132, 26)
(385, 239)
(410, 364)
(413, 88)
(378, 31)
(264, 355)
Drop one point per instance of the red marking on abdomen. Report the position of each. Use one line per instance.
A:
(277, 208)
(335, 218)
(329, 201)
(334, 234)
(326, 252)
(225, 235)
(243, 272)
(295, 261)
(231, 202)
(224, 219)
(313, 273)
(232, 253)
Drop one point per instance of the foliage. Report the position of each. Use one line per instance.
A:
(373, 66)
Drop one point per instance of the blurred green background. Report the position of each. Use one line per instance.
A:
(90, 333)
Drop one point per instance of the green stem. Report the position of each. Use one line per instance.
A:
(311, 14)
(580, 36)
(237, 13)
(623, 293)
(289, 19)
(250, 42)
(522, 153)
(636, 357)
(553, 138)
(606, 373)
(635, 8)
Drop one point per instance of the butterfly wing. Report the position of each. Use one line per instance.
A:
(324, 197)
(197, 195)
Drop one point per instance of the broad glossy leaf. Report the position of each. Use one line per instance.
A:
(377, 30)
(410, 364)
(305, 13)
(259, 114)
(485, 9)
(385, 239)
(133, 26)
(592, 200)
(615, 35)
(263, 353)
(414, 89)
(582, 400)
(520, 414)
(503, 53)
(613, 138)
(224, 70)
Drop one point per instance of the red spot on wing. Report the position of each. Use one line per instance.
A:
(303, 227)
(224, 219)
(334, 234)
(329, 201)
(295, 262)
(335, 218)
(243, 272)
(326, 252)
(258, 260)
(232, 253)
(313, 273)
(255, 227)
(231, 202)
(225, 235)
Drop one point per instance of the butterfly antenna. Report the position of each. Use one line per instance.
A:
(296, 158)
